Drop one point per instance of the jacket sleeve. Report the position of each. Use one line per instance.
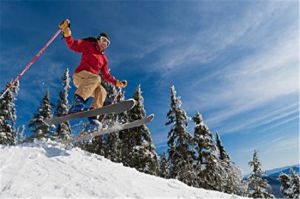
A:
(106, 75)
(76, 45)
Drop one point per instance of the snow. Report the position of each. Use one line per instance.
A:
(48, 170)
(116, 127)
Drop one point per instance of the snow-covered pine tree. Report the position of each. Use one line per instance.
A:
(38, 127)
(63, 130)
(138, 142)
(285, 181)
(8, 116)
(294, 185)
(257, 186)
(98, 144)
(112, 140)
(211, 174)
(223, 155)
(203, 139)
(164, 166)
(233, 183)
(108, 145)
(126, 141)
(113, 147)
(180, 143)
(290, 184)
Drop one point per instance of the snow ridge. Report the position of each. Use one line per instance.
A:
(45, 169)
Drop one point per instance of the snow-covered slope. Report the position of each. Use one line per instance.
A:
(43, 170)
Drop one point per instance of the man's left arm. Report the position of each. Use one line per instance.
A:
(107, 76)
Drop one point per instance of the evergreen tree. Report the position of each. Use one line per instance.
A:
(108, 145)
(38, 127)
(285, 181)
(96, 145)
(164, 166)
(113, 143)
(126, 141)
(180, 143)
(290, 185)
(257, 186)
(8, 116)
(294, 185)
(204, 141)
(113, 147)
(223, 155)
(233, 181)
(138, 143)
(211, 174)
(63, 130)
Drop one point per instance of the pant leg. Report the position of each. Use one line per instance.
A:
(86, 84)
(99, 96)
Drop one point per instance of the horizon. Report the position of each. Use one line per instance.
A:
(234, 62)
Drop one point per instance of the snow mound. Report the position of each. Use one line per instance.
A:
(48, 170)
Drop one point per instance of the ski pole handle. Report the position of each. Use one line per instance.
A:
(12, 83)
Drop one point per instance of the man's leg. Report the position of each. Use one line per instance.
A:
(99, 97)
(98, 101)
(86, 83)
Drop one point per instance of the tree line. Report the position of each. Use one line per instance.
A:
(196, 158)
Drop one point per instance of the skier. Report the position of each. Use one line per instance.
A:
(86, 76)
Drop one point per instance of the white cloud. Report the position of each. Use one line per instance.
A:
(271, 118)
(209, 42)
(276, 152)
(281, 144)
(254, 81)
(267, 72)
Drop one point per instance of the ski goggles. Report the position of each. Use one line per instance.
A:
(104, 39)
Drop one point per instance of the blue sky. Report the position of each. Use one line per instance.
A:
(236, 62)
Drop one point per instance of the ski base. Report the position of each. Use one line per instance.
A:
(113, 108)
(88, 136)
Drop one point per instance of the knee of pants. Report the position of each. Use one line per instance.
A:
(104, 92)
(100, 93)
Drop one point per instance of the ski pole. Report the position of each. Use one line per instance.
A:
(30, 63)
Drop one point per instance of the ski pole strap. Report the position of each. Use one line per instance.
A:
(12, 83)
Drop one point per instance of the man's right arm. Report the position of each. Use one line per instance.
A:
(75, 45)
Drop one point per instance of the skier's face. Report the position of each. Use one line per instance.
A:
(103, 43)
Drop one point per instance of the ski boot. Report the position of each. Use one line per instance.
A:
(78, 104)
(93, 125)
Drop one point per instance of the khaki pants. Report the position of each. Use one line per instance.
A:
(88, 85)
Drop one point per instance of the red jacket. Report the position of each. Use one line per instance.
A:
(92, 60)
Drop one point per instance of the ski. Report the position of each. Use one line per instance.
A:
(112, 108)
(88, 136)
